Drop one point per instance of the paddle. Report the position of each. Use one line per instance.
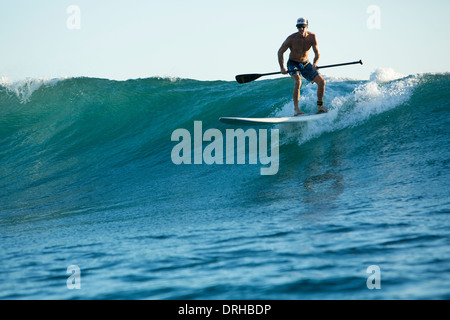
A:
(244, 78)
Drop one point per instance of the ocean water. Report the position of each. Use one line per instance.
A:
(86, 179)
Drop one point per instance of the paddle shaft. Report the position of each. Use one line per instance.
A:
(244, 78)
(340, 64)
(321, 67)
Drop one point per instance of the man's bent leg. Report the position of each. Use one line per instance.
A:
(296, 96)
(320, 86)
(320, 92)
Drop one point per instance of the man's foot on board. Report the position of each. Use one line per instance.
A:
(321, 110)
(297, 113)
(320, 107)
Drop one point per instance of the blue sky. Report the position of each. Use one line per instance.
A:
(215, 40)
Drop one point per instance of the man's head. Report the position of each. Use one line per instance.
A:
(302, 25)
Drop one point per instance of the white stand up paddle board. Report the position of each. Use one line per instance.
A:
(277, 120)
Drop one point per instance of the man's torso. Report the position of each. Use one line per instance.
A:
(300, 46)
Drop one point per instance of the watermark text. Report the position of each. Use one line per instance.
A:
(374, 280)
(235, 147)
(74, 281)
(374, 20)
(73, 22)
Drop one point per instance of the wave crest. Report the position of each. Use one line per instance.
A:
(23, 89)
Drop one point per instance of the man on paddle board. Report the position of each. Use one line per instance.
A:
(300, 43)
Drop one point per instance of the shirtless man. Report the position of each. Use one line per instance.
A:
(300, 43)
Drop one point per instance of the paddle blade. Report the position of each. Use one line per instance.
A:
(244, 78)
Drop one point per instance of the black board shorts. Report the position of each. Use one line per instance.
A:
(304, 68)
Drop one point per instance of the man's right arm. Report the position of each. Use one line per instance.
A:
(281, 51)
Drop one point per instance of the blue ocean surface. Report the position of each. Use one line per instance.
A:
(87, 180)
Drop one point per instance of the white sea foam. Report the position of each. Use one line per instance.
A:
(385, 90)
(385, 75)
(23, 89)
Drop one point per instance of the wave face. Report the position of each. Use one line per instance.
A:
(86, 178)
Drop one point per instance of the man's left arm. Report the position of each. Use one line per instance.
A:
(315, 47)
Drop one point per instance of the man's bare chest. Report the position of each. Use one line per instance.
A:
(301, 45)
